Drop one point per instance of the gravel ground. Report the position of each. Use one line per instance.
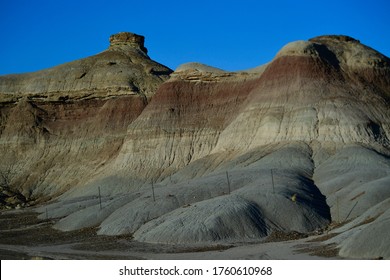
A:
(22, 230)
(24, 236)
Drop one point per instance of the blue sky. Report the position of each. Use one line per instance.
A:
(232, 35)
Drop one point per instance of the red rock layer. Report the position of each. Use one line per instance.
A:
(56, 145)
(182, 123)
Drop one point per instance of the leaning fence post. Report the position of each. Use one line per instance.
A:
(272, 178)
(228, 181)
(351, 210)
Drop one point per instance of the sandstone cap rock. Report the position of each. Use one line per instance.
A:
(128, 39)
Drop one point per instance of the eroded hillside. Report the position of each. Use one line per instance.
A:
(202, 155)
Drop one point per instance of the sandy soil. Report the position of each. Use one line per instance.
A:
(24, 236)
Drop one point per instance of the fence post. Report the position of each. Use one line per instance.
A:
(228, 181)
(154, 198)
(351, 210)
(272, 178)
(100, 199)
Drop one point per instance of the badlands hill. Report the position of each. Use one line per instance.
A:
(202, 155)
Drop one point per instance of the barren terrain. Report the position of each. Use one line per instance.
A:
(23, 236)
(116, 155)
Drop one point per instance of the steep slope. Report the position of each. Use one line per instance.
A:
(216, 156)
(60, 125)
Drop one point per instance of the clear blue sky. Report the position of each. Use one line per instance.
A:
(231, 35)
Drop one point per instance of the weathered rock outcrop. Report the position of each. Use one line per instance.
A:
(207, 155)
(123, 69)
(61, 125)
